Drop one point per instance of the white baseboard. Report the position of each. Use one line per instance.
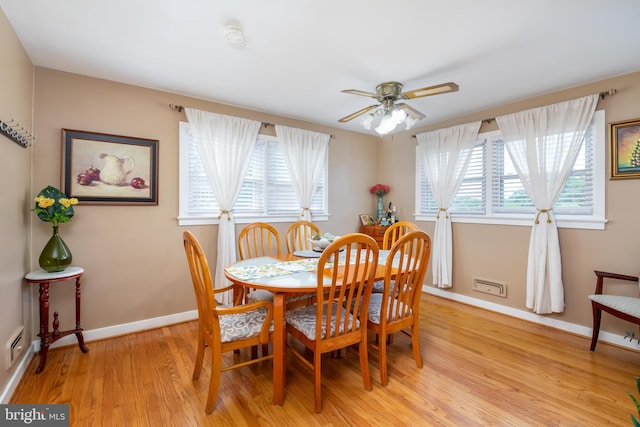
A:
(609, 337)
(93, 335)
(17, 374)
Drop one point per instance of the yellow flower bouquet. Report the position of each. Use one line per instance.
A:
(53, 206)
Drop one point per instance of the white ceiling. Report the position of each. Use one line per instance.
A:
(300, 54)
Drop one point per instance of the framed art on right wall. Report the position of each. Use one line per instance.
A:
(625, 149)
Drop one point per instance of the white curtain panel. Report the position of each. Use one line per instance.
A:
(543, 144)
(446, 154)
(304, 153)
(224, 144)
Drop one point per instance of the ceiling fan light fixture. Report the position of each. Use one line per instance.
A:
(386, 125)
(390, 120)
(367, 121)
(398, 116)
(393, 113)
(410, 122)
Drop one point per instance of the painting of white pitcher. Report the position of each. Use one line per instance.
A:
(101, 168)
(115, 169)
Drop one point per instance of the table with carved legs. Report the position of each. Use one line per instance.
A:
(47, 338)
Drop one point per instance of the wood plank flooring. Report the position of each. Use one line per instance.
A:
(480, 369)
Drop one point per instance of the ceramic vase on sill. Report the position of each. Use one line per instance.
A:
(381, 213)
(55, 255)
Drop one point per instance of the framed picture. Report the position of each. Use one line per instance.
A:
(365, 219)
(99, 168)
(625, 149)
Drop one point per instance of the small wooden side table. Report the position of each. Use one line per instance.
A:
(375, 231)
(47, 338)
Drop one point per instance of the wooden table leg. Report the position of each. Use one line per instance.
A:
(279, 348)
(44, 325)
(78, 330)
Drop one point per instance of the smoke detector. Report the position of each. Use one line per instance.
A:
(234, 35)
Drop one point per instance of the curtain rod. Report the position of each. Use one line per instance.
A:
(603, 95)
(180, 108)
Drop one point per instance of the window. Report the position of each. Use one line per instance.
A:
(266, 193)
(493, 193)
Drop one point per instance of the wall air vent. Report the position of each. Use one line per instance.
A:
(14, 347)
(488, 286)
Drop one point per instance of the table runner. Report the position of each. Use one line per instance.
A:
(278, 268)
(251, 272)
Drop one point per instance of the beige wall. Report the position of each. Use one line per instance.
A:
(16, 97)
(500, 252)
(133, 256)
(135, 267)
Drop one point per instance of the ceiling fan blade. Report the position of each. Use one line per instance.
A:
(411, 111)
(359, 92)
(358, 113)
(430, 90)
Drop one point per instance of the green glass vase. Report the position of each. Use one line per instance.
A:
(55, 256)
(381, 213)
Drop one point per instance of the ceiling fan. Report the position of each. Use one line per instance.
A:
(387, 94)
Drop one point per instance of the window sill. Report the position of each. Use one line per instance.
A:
(208, 220)
(589, 223)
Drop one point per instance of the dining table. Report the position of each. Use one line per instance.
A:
(285, 276)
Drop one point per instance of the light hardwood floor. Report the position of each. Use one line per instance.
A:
(480, 369)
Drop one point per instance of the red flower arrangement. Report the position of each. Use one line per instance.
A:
(380, 189)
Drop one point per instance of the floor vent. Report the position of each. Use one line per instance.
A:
(489, 287)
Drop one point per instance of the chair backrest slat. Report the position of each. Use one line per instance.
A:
(298, 235)
(258, 239)
(395, 231)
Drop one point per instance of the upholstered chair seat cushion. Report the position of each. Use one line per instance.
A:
(378, 286)
(375, 308)
(304, 319)
(627, 305)
(260, 295)
(242, 325)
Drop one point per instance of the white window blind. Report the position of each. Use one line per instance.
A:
(492, 192)
(576, 198)
(471, 195)
(266, 192)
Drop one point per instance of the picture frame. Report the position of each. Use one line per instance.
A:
(364, 219)
(105, 169)
(625, 149)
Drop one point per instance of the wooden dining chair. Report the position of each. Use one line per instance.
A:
(395, 231)
(259, 239)
(391, 234)
(397, 307)
(298, 235)
(223, 329)
(328, 325)
(297, 239)
(624, 307)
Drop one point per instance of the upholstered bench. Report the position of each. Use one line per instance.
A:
(623, 307)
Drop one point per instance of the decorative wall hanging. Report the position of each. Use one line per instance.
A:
(101, 168)
(625, 149)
